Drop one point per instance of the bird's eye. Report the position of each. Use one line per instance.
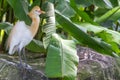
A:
(35, 10)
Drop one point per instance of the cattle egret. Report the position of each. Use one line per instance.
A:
(22, 34)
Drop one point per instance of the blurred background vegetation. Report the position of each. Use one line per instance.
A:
(90, 23)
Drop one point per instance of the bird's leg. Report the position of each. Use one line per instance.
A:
(22, 68)
(24, 56)
(25, 59)
(20, 57)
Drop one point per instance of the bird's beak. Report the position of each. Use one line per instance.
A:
(42, 12)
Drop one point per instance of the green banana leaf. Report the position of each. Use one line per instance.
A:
(6, 26)
(112, 14)
(20, 8)
(62, 59)
(81, 36)
(49, 28)
(36, 46)
(109, 36)
(82, 14)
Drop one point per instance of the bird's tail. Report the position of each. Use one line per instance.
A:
(12, 50)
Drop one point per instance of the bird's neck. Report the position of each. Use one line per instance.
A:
(35, 25)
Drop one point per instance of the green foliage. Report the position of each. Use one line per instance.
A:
(36, 2)
(109, 36)
(3, 8)
(36, 46)
(20, 8)
(48, 28)
(114, 3)
(61, 59)
(78, 34)
(63, 7)
(100, 4)
(6, 26)
(82, 14)
(112, 14)
(82, 20)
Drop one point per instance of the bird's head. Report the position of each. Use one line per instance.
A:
(36, 11)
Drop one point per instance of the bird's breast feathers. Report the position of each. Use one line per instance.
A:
(22, 33)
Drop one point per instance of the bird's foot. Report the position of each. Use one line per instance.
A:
(27, 66)
(22, 71)
(24, 66)
(20, 65)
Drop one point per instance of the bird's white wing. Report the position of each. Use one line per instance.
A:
(19, 34)
(20, 29)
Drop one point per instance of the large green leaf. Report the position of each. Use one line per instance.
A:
(49, 28)
(6, 26)
(81, 36)
(114, 2)
(64, 7)
(99, 3)
(36, 46)
(100, 11)
(112, 14)
(3, 8)
(35, 2)
(62, 59)
(109, 36)
(83, 14)
(20, 8)
(84, 3)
